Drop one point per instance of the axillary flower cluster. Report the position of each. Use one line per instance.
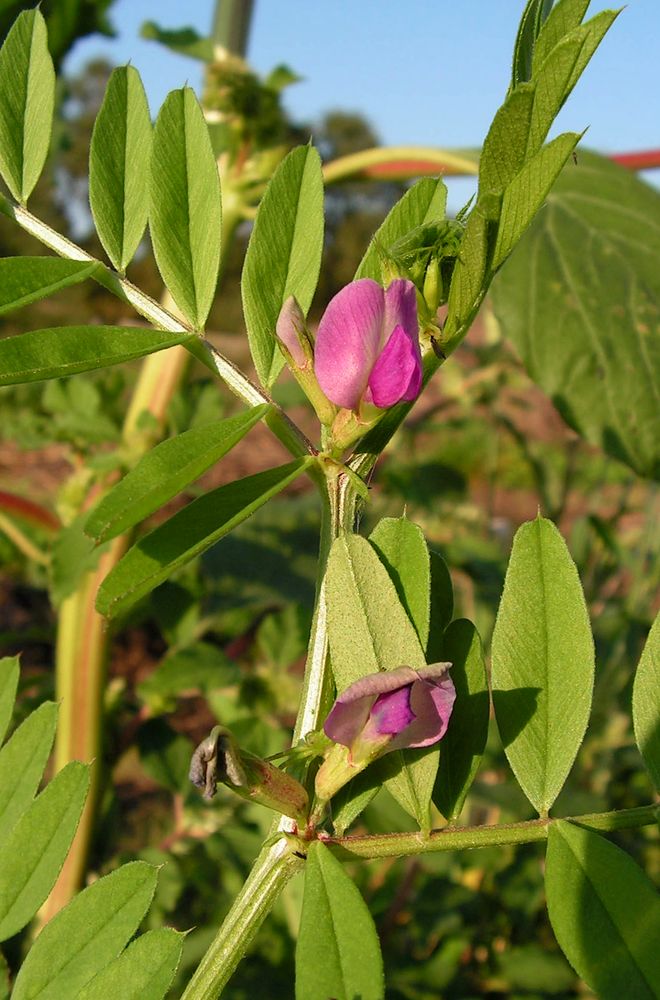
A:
(366, 357)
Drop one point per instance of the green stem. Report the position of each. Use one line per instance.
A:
(276, 864)
(395, 845)
(270, 874)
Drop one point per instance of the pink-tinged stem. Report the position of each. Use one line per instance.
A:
(27, 510)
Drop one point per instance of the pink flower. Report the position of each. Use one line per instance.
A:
(367, 345)
(392, 710)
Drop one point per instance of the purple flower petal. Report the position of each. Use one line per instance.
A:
(397, 370)
(401, 308)
(413, 705)
(391, 712)
(350, 712)
(349, 340)
(432, 703)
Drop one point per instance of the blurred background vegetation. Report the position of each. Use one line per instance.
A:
(481, 452)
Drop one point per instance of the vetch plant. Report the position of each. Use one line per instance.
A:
(395, 693)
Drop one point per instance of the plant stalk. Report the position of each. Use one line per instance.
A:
(270, 874)
(396, 845)
(275, 865)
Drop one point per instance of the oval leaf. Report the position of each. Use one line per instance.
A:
(27, 279)
(543, 662)
(402, 549)
(87, 934)
(579, 299)
(284, 254)
(368, 631)
(165, 471)
(186, 209)
(143, 972)
(33, 855)
(463, 745)
(338, 953)
(118, 159)
(646, 703)
(9, 671)
(442, 606)
(67, 350)
(27, 94)
(605, 914)
(22, 763)
(527, 191)
(189, 533)
(424, 202)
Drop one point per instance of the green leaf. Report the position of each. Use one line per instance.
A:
(402, 549)
(27, 94)
(579, 299)
(646, 703)
(543, 662)
(368, 631)
(165, 471)
(468, 280)
(189, 533)
(284, 254)
(118, 166)
(442, 606)
(186, 209)
(503, 152)
(86, 935)
(22, 763)
(67, 350)
(143, 972)
(185, 41)
(28, 279)
(527, 192)
(464, 742)
(531, 23)
(565, 16)
(424, 202)
(605, 914)
(9, 671)
(560, 72)
(33, 855)
(368, 628)
(338, 953)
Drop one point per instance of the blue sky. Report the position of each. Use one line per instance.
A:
(428, 72)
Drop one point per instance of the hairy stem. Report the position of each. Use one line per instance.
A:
(269, 875)
(275, 865)
(395, 845)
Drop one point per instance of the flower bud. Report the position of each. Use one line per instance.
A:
(298, 349)
(293, 335)
(218, 758)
